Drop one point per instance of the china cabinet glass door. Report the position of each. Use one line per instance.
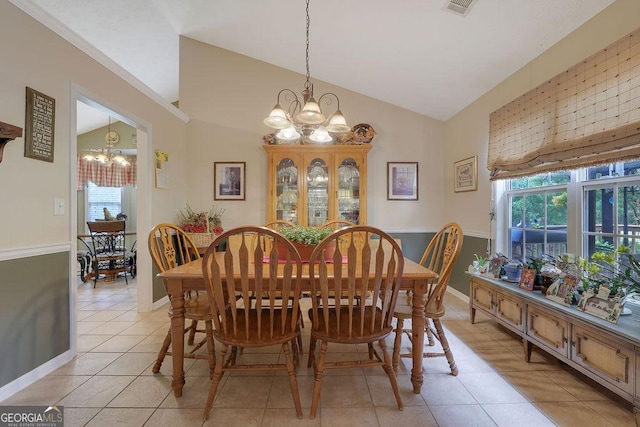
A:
(287, 190)
(317, 192)
(349, 191)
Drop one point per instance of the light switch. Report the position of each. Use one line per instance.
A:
(58, 206)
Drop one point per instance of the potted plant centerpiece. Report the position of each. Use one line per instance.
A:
(305, 239)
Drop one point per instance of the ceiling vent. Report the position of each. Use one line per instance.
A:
(460, 7)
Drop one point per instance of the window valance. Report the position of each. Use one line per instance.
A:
(587, 115)
(103, 175)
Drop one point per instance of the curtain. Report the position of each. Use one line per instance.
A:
(587, 115)
(103, 175)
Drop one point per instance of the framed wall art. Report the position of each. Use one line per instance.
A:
(402, 180)
(229, 180)
(466, 174)
(39, 126)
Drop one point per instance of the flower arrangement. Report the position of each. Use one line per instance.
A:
(201, 222)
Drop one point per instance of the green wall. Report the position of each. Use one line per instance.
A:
(414, 244)
(34, 313)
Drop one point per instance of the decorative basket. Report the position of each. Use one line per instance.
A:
(202, 239)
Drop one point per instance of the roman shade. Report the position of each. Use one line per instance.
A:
(587, 115)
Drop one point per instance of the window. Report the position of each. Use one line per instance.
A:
(607, 203)
(99, 198)
(538, 215)
(611, 208)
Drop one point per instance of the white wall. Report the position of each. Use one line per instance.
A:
(228, 95)
(467, 133)
(37, 58)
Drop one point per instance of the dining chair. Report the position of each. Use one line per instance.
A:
(170, 247)
(439, 257)
(110, 256)
(266, 243)
(268, 321)
(358, 270)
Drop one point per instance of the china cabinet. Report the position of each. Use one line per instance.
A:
(311, 184)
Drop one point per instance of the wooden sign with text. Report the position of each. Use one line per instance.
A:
(39, 126)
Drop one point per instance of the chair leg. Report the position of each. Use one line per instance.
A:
(430, 341)
(397, 343)
(163, 352)
(217, 376)
(318, 372)
(211, 348)
(445, 346)
(312, 350)
(390, 373)
(192, 331)
(293, 381)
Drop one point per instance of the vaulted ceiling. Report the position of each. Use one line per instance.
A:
(415, 54)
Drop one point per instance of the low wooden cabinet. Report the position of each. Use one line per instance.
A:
(609, 353)
(311, 184)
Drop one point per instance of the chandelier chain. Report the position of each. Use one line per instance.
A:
(307, 84)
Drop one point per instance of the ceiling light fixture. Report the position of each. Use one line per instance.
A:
(306, 117)
(106, 157)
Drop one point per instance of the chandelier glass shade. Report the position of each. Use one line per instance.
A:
(303, 116)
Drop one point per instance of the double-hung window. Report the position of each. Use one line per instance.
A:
(537, 222)
(99, 198)
(606, 200)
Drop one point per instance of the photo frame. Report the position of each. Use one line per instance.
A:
(229, 180)
(39, 126)
(600, 305)
(402, 180)
(527, 278)
(561, 291)
(465, 176)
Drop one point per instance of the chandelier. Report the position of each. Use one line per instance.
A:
(106, 156)
(306, 117)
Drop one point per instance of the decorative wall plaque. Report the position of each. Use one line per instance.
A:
(39, 126)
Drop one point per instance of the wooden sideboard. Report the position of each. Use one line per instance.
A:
(609, 353)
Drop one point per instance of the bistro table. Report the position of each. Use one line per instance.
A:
(189, 277)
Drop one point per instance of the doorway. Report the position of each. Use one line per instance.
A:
(139, 129)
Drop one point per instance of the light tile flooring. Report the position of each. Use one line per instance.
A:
(110, 381)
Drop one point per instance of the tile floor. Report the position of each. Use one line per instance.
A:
(110, 381)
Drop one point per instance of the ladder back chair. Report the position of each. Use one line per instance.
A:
(110, 256)
(366, 269)
(231, 278)
(170, 247)
(440, 255)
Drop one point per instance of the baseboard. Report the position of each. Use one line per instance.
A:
(31, 377)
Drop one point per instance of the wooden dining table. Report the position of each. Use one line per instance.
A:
(188, 277)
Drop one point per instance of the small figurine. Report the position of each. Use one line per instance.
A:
(107, 215)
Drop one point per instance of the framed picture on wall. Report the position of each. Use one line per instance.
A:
(465, 175)
(402, 180)
(229, 180)
(39, 126)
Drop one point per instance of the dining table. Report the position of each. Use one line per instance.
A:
(189, 277)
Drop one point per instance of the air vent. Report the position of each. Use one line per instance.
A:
(460, 7)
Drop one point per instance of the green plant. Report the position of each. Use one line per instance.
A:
(306, 235)
(618, 270)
